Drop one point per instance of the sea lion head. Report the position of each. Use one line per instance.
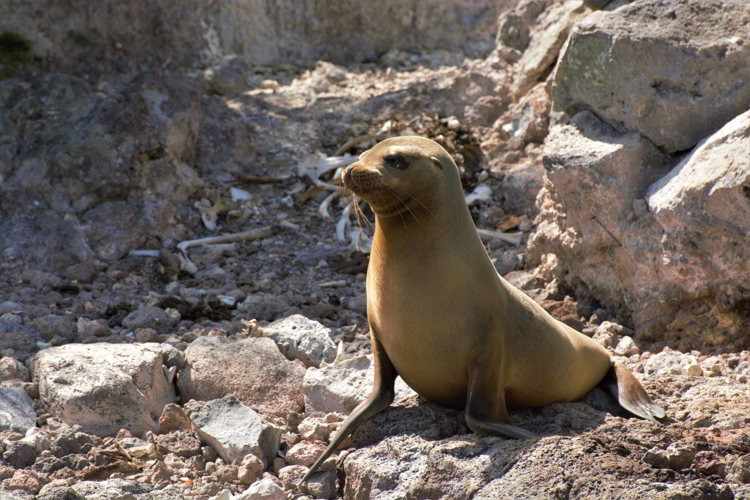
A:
(403, 175)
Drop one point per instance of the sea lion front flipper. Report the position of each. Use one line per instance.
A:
(486, 412)
(379, 399)
(630, 393)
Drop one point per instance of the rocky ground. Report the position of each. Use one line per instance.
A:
(221, 370)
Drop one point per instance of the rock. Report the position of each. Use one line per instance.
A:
(676, 456)
(234, 430)
(300, 338)
(105, 387)
(665, 45)
(548, 34)
(739, 471)
(342, 386)
(250, 469)
(265, 489)
(20, 454)
(150, 317)
(25, 481)
(92, 328)
(10, 369)
(54, 324)
(252, 369)
(322, 484)
(304, 453)
(626, 347)
(181, 443)
(16, 410)
(173, 418)
(317, 428)
(262, 306)
(21, 338)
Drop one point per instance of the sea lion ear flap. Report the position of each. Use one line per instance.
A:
(436, 161)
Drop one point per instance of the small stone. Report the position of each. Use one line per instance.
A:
(301, 338)
(53, 325)
(20, 454)
(226, 473)
(626, 347)
(92, 328)
(181, 443)
(739, 471)
(322, 484)
(235, 430)
(278, 464)
(17, 410)
(265, 489)
(304, 453)
(10, 318)
(146, 335)
(173, 418)
(11, 369)
(25, 480)
(150, 317)
(693, 370)
(250, 469)
(677, 456)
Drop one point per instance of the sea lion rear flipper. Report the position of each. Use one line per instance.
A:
(631, 395)
(379, 399)
(486, 412)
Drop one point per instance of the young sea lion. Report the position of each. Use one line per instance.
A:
(443, 319)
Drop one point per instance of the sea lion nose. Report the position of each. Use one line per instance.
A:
(347, 172)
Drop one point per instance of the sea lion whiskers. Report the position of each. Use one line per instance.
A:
(404, 205)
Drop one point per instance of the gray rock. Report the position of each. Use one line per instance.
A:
(252, 369)
(105, 387)
(16, 410)
(549, 31)
(52, 325)
(626, 347)
(301, 338)
(676, 456)
(671, 265)
(150, 317)
(637, 66)
(81, 140)
(339, 387)
(739, 471)
(235, 430)
(20, 454)
(11, 368)
(21, 338)
(86, 328)
(265, 489)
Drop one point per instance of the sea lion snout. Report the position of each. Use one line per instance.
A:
(361, 179)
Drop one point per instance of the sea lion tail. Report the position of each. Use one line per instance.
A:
(631, 395)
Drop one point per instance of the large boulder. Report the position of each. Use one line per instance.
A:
(664, 248)
(253, 370)
(675, 71)
(105, 387)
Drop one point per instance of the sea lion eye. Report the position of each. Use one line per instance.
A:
(396, 161)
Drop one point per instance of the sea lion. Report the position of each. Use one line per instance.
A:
(443, 319)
